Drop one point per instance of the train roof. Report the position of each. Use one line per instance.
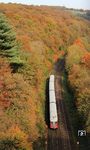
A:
(53, 112)
(51, 86)
(52, 97)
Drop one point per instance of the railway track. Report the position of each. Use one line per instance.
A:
(61, 138)
(62, 122)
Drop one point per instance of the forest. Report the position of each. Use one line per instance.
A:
(32, 39)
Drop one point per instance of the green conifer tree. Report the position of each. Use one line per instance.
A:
(8, 44)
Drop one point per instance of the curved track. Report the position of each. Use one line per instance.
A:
(61, 138)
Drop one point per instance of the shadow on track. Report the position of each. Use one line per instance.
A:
(47, 103)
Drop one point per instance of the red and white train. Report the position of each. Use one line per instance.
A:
(52, 104)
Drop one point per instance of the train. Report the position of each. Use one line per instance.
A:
(52, 104)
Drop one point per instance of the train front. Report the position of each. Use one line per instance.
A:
(53, 116)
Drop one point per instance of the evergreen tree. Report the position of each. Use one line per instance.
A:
(8, 44)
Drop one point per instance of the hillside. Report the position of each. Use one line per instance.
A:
(44, 34)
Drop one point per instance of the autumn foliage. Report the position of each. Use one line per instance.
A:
(14, 138)
(86, 60)
(78, 68)
(43, 34)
